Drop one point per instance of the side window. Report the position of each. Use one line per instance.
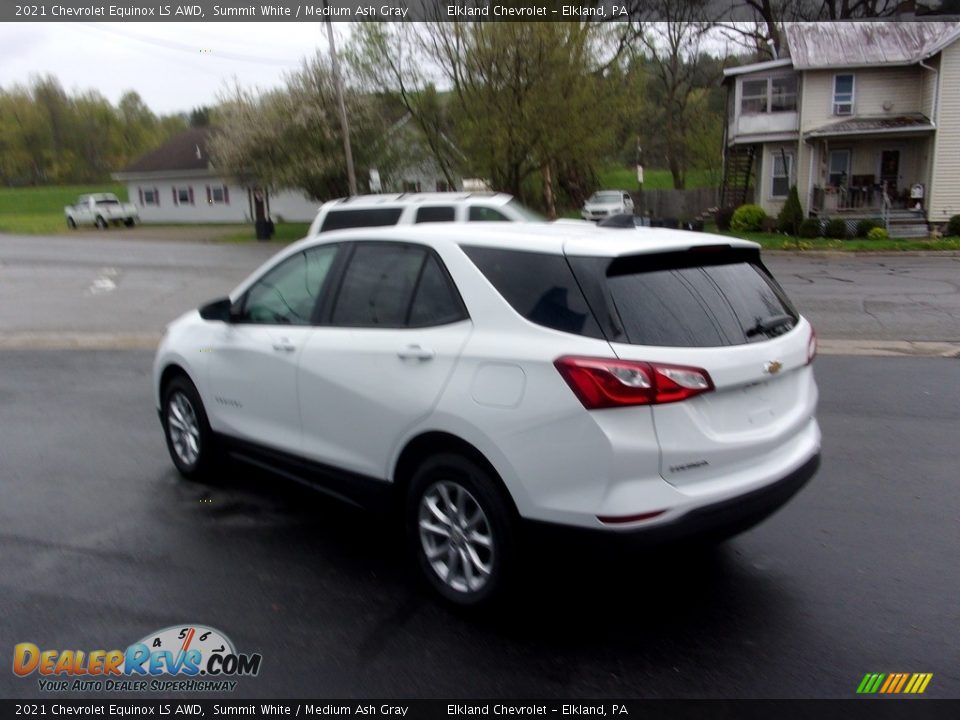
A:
(378, 285)
(288, 293)
(439, 213)
(435, 301)
(479, 213)
(540, 287)
(367, 217)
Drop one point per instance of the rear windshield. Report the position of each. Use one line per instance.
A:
(108, 201)
(367, 217)
(694, 299)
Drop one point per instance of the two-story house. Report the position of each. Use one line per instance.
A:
(864, 118)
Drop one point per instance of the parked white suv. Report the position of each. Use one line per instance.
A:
(419, 208)
(604, 203)
(476, 378)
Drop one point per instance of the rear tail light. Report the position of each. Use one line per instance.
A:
(603, 383)
(812, 346)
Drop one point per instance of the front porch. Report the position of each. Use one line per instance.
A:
(872, 168)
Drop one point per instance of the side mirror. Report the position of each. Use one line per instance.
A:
(217, 310)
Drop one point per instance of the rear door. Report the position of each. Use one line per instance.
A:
(388, 343)
(719, 311)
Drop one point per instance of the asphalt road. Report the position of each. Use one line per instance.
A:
(101, 543)
(91, 284)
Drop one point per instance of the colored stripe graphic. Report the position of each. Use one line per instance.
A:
(894, 683)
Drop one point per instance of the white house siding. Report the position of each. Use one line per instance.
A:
(770, 204)
(928, 88)
(945, 185)
(288, 205)
(292, 206)
(900, 88)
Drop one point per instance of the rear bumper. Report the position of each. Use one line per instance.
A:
(708, 523)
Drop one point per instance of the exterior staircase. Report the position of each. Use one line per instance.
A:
(907, 224)
(737, 172)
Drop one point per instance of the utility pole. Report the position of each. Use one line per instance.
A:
(344, 124)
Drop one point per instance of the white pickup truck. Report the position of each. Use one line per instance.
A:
(100, 209)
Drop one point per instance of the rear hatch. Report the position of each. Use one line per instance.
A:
(717, 311)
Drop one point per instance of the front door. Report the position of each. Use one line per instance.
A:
(253, 363)
(890, 171)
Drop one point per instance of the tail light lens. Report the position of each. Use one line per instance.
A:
(604, 383)
(812, 346)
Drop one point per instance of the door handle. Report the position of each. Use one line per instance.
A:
(284, 345)
(415, 352)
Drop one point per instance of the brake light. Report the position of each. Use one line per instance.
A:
(812, 346)
(606, 383)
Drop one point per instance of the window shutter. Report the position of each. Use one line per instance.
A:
(226, 195)
(140, 190)
(209, 196)
(190, 190)
(175, 200)
(156, 196)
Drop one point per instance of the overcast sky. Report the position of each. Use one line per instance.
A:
(174, 66)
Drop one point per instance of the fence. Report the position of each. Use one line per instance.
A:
(680, 204)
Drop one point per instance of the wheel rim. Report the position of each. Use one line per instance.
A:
(456, 537)
(184, 429)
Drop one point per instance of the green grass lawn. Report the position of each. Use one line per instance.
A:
(776, 241)
(283, 233)
(620, 178)
(39, 211)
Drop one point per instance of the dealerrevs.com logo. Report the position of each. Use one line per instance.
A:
(177, 658)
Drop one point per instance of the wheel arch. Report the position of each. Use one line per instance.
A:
(435, 442)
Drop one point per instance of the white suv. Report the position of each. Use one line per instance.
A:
(418, 209)
(480, 379)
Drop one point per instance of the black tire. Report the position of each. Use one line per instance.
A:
(71, 223)
(129, 222)
(101, 223)
(205, 466)
(483, 492)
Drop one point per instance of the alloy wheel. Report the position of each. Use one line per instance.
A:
(184, 428)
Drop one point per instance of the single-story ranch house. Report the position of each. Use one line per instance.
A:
(176, 183)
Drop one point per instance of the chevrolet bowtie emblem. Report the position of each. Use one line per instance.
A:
(772, 367)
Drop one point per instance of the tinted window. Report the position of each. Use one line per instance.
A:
(435, 302)
(366, 217)
(538, 286)
(706, 305)
(434, 214)
(377, 285)
(288, 293)
(485, 214)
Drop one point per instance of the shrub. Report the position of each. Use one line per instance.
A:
(953, 226)
(723, 216)
(866, 225)
(790, 217)
(878, 233)
(809, 228)
(836, 229)
(768, 224)
(747, 218)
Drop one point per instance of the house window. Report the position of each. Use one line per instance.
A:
(843, 94)
(183, 196)
(839, 164)
(782, 165)
(754, 97)
(149, 196)
(783, 94)
(218, 195)
(778, 94)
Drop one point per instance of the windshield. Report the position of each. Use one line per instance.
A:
(605, 197)
(526, 213)
(108, 201)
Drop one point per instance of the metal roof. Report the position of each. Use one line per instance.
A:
(821, 45)
(914, 122)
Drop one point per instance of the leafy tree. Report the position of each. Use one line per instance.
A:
(291, 137)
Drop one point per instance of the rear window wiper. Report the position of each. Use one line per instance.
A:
(766, 326)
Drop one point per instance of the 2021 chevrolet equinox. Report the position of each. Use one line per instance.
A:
(476, 379)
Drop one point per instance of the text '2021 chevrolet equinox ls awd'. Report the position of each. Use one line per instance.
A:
(480, 380)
